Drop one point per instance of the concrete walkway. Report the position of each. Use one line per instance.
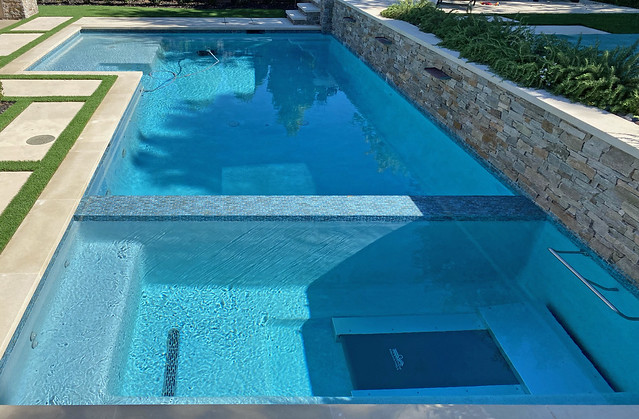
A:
(374, 7)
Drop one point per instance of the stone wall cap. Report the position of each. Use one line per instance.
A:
(611, 128)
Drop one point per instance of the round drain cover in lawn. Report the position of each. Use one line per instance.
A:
(40, 139)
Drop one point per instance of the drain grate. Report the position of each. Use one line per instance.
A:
(170, 371)
(40, 139)
(461, 358)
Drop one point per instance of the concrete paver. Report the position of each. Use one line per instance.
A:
(5, 23)
(10, 42)
(209, 23)
(10, 184)
(41, 24)
(23, 87)
(37, 237)
(39, 118)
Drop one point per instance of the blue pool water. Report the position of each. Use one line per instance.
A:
(255, 302)
(605, 41)
(279, 114)
(168, 300)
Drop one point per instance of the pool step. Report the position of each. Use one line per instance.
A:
(546, 358)
(306, 14)
(296, 17)
(311, 11)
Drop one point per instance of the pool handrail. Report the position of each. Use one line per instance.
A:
(590, 284)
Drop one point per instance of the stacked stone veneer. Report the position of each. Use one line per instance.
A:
(18, 9)
(591, 186)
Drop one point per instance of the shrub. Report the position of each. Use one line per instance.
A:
(606, 79)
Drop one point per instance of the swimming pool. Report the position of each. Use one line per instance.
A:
(607, 41)
(271, 114)
(278, 299)
(259, 308)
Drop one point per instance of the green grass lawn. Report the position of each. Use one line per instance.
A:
(130, 11)
(609, 22)
(43, 170)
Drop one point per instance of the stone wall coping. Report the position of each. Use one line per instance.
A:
(611, 128)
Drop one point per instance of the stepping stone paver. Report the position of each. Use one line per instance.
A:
(42, 24)
(10, 42)
(24, 87)
(39, 118)
(10, 184)
(5, 23)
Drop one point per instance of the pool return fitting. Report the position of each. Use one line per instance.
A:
(592, 286)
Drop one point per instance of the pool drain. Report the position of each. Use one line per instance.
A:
(170, 370)
(40, 139)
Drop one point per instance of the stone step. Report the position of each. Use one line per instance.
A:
(308, 8)
(311, 11)
(316, 2)
(296, 17)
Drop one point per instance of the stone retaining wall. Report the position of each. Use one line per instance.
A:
(18, 9)
(591, 186)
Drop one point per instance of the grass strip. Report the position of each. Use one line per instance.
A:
(51, 98)
(22, 203)
(131, 11)
(609, 22)
(18, 166)
(13, 111)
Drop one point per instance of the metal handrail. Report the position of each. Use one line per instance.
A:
(590, 284)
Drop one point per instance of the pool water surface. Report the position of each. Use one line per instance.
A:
(258, 307)
(272, 114)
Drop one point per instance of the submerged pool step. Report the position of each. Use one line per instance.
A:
(545, 357)
(306, 207)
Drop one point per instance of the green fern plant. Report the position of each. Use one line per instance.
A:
(606, 79)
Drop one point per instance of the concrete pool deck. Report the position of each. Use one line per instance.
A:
(25, 259)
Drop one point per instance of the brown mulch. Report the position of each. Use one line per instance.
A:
(4, 106)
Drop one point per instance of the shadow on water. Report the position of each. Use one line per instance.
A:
(419, 268)
(219, 109)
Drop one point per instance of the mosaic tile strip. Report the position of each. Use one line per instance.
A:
(478, 208)
(317, 208)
